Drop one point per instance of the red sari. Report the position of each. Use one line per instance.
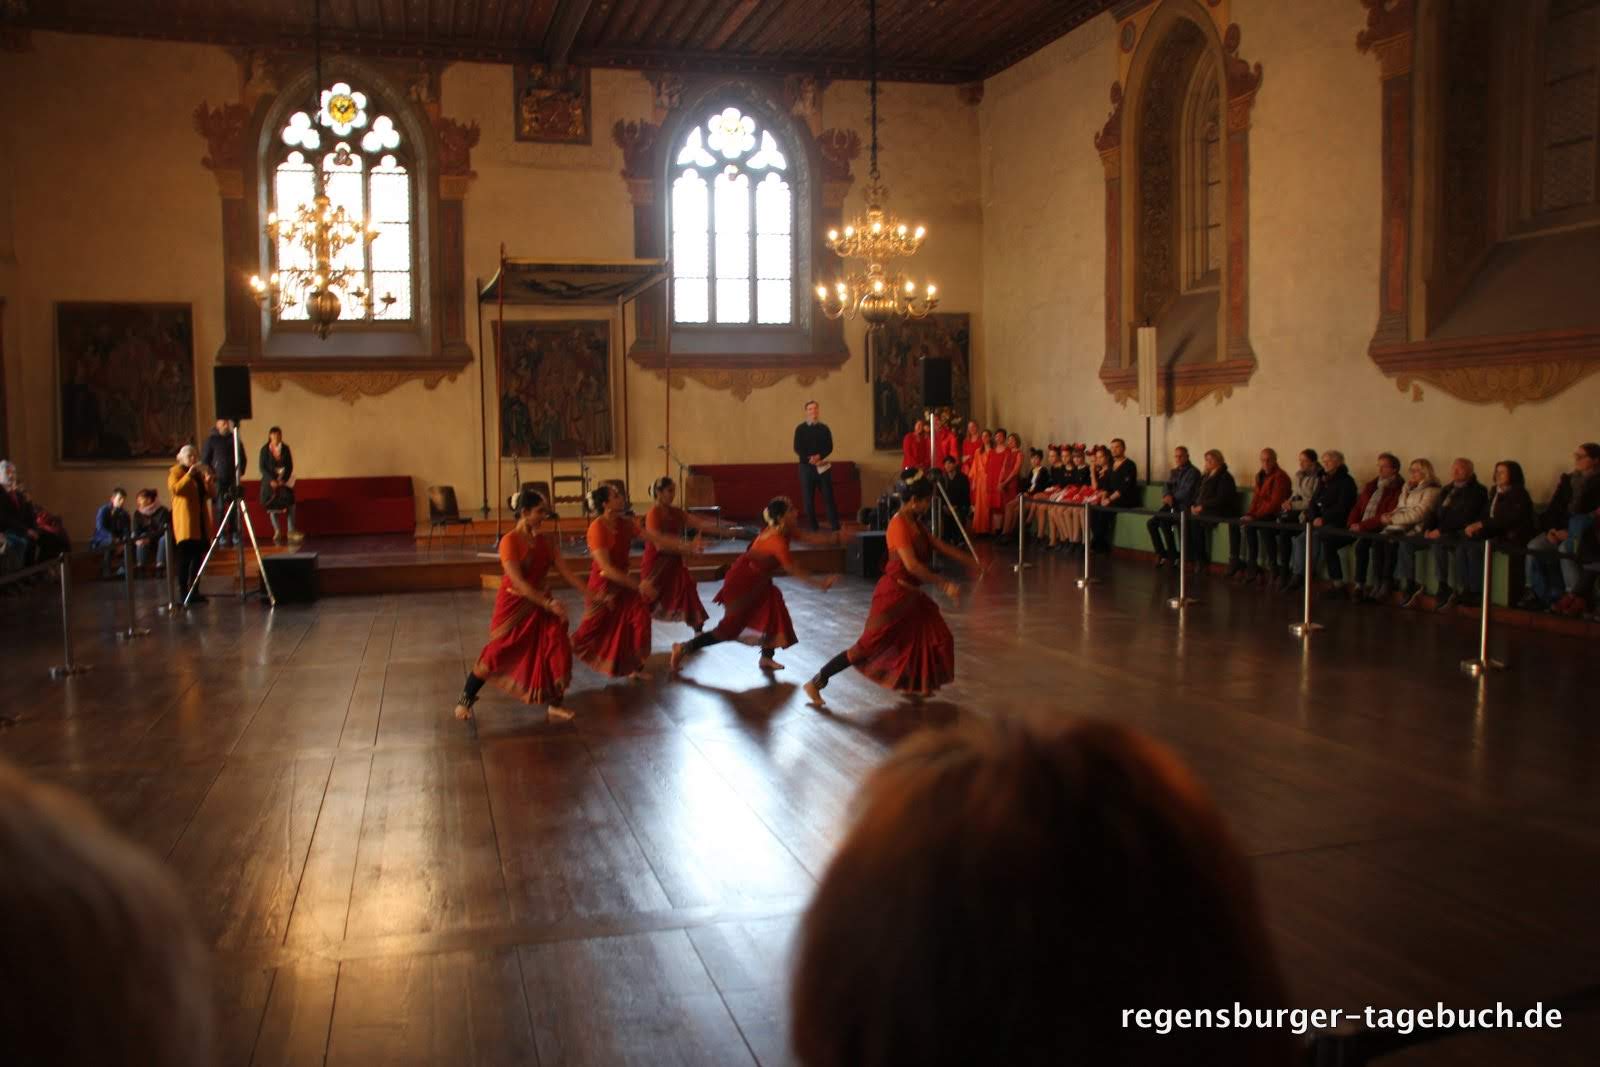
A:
(970, 447)
(1006, 480)
(677, 599)
(906, 645)
(983, 489)
(528, 654)
(614, 637)
(752, 602)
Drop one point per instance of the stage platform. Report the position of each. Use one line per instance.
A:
(395, 563)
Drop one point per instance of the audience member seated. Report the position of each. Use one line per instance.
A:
(1269, 500)
(151, 520)
(959, 490)
(1065, 525)
(1327, 511)
(1116, 486)
(277, 487)
(1409, 520)
(1177, 495)
(1217, 497)
(102, 962)
(1007, 892)
(1507, 521)
(1370, 514)
(1554, 572)
(19, 521)
(1032, 484)
(111, 529)
(1304, 483)
(1460, 505)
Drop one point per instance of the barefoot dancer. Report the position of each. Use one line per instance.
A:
(528, 654)
(906, 645)
(614, 636)
(752, 602)
(677, 600)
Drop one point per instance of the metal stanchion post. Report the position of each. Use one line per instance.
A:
(1183, 599)
(67, 667)
(168, 550)
(133, 630)
(1022, 528)
(1483, 664)
(1087, 580)
(1305, 627)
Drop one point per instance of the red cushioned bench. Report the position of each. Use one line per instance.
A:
(326, 506)
(743, 489)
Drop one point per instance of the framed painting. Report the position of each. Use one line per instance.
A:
(897, 374)
(125, 382)
(555, 387)
(5, 428)
(552, 105)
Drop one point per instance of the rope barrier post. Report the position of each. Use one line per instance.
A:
(1483, 664)
(1022, 528)
(67, 668)
(173, 604)
(133, 631)
(1183, 599)
(1088, 579)
(1305, 627)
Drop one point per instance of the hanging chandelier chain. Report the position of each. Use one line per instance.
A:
(872, 74)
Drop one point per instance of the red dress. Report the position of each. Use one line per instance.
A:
(1010, 466)
(906, 645)
(614, 637)
(752, 603)
(969, 448)
(677, 599)
(914, 450)
(983, 481)
(528, 654)
(946, 445)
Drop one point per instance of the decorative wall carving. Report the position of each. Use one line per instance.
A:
(838, 149)
(348, 386)
(223, 129)
(1507, 369)
(552, 103)
(1110, 136)
(638, 143)
(741, 383)
(456, 142)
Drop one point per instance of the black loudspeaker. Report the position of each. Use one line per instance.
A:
(866, 555)
(293, 576)
(936, 383)
(231, 388)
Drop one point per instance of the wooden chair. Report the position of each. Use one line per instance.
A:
(443, 512)
(700, 495)
(569, 487)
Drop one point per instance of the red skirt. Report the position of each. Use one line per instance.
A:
(677, 598)
(529, 654)
(906, 646)
(614, 636)
(753, 605)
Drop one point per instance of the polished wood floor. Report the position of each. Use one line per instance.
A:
(381, 887)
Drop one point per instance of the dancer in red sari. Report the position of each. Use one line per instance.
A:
(906, 645)
(528, 654)
(752, 602)
(983, 475)
(677, 599)
(614, 636)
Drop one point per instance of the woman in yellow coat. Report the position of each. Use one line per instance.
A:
(186, 483)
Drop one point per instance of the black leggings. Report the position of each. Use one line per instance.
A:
(190, 554)
(831, 668)
(709, 638)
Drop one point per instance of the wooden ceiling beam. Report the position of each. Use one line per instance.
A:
(564, 26)
(742, 10)
(832, 67)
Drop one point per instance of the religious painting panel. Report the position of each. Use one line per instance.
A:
(5, 430)
(552, 106)
(901, 349)
(555, 388)
(125, 374)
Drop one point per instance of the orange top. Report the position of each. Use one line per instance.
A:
(905, 532)
(665, 520)
(773, 543)
(530, 555)
(615, 543)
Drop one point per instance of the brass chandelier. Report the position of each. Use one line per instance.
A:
(320, 230)
(876, 294)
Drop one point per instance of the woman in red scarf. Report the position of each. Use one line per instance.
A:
(906, 645)
(677, 599)
(614, 636)
(985, 470)
(752, 603)
(528, 654)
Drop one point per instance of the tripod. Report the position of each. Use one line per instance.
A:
(235, 503)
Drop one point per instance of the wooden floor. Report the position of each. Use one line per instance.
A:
(382, 888)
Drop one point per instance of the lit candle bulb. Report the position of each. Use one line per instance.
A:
(931, 290)
(256, 283)
(902, 230)
(877, 285)
(920, 231)
(833, 235)
(849, 231)
(822, 292)
(876, 227)
(910, 288)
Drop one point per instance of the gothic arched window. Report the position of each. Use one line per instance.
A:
(366, 169)
(732, 218)
(1202, 186)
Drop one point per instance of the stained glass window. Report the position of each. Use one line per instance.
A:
(732, 214)
(363, 163)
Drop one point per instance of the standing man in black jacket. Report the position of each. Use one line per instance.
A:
(1329, 507)
(813, 444)
(218, 455)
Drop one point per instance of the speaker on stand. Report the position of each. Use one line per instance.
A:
(230, 386)
(936, 383)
